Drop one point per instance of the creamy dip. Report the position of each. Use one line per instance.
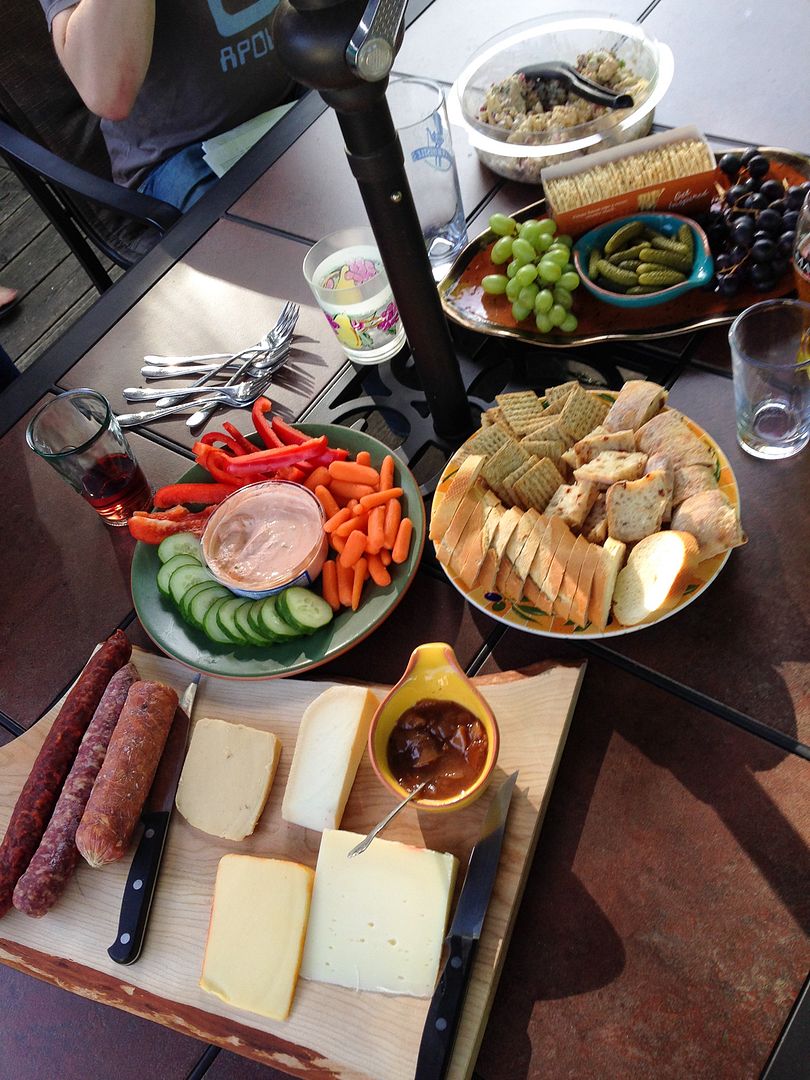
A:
(265, 536)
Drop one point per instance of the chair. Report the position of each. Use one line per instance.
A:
(54, 144)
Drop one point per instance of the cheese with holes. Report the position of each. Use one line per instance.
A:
(378, 920)
(330, 743)
(226, 778)
(256, 935)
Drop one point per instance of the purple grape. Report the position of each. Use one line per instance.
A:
(763, 251)
(795, 197)
(778, 204)
(750, 152)
(727, 286)
(770, 220)
(758, 166)
(790, 219)
(786, 242)
(730, 164)
(772, 189)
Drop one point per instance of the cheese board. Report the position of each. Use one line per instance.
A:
(68, 946)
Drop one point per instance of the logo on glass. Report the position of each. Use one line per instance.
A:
(435, 154)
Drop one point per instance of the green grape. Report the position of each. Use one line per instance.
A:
(520, 311)
(512, 289)
(557, 315)
(494, 284)
(526, 274)
(548, 270)
(502, 225)
(564, 238)
(530, 230)
(547, 226)
(569, 324)
(569, 268)
(523, 251)
(569, 280)
(544, 242)
(544, 301)
(563, 297)
(543, 323)
(559, 255)
(512, 268)
(528, 295)
(501, 250)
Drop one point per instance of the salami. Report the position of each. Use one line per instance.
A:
(57, 855)
(126, 776)
(36, 801)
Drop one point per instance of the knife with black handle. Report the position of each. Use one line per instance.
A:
(445, 1009)
(145, 868)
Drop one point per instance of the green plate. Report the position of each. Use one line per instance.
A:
(163, 624)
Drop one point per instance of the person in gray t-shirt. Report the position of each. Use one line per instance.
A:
(164, 75)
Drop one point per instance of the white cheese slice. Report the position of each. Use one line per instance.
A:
(256, 935)
(378, 920)
(226, 778)
(330, 743)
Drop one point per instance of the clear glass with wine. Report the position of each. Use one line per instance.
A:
(77, 433)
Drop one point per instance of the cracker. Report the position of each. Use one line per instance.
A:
(537, 486)
(550, 448)
(504, 461)
(514, 476)
(561, 391)
(549, 428)
(522, 410)
(486, 441)
(582, 412)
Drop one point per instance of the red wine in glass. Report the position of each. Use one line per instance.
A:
(115, 487)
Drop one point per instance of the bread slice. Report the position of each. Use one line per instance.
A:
(568, 585)
(668, 433)
(472, 531)
(578, 613)
(572, 502)
(594, 527)
(470, 504)
(546, 550)
(599, 439)
(635, 508)
(661, 463)
(492, 559)
(467, 474)
(604, 581)
(657, 572)
(610, 466)
(712, 520)
(513, 587)
(514, 548)
(477, 546)
(637, 401)
(559, 561)
(691, 480)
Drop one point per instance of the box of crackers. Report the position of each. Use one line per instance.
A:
(673, 170)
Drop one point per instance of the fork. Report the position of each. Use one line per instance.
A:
(235, 394)
(257, 388)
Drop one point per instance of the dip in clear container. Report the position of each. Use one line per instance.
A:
(266, 537)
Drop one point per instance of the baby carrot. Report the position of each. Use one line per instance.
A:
(360, 575)
(345, 581)
(356, 521)
(329, 585)
(376, 530)
(386, 472)
(355, 548)
(320, 475)
(377, 498)
(385, 556)
(337, 543)
(353, 473)
(399, 552)
(363, 457)
(393, 516)
(337, 519)
(344, 490)
(378, 573)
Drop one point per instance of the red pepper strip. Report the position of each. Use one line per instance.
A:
(273, 459)
(152, 528)
(242, 440)
(212, 437)
(169, 515)
(328, 456)
(197, 494)
(295, 473)
(288, 435)
(262, 423)
(215, 462)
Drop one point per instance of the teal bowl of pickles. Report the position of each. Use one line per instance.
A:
(643, 260)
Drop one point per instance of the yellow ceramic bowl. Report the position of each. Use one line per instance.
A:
(432, 672)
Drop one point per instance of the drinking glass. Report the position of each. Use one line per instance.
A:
(346, 275)
(420, 117)
(770, 356)
(77, 433)
(801, 252)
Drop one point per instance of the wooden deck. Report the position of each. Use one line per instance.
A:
(35, 260)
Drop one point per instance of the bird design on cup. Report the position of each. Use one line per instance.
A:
(435, 153)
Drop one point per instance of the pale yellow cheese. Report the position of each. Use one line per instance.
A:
(256, 935)
(378, 920)
(226, 778)
(331, 738)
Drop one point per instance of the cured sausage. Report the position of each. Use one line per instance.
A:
(126, 776)
(57, 855)
(36, 801)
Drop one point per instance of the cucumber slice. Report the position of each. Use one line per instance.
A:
(305, 611)
(180, 544)
(225, 617)
(204, 597)
(211, 627)
(169, 567)
(189, 595)
(271, 623)
(184, 577)
(243, 624)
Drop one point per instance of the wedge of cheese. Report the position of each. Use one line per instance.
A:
(492, 559)
(604, 582)
(378, 920)
(546, 550)
(478, 545)
(226, 778)
(330, 743)
(460, 484)
(578, 613)
(513, 588)
(514, 548)
(256, 934)
(474, 502)
(568, 585)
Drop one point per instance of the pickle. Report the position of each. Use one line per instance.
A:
(616, 276)
(672, 259)
(687, 238)
(593, 263)
(669, 243)
(623, 235)
(627, 253)
(658, 275)
(640, 290)
(628, 264)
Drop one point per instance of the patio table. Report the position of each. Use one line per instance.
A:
(664, 927)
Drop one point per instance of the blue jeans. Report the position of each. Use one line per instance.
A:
(180, 180)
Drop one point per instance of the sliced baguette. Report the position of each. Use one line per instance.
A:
(657, 572)
(610, 466)
(604, 581)
(492, 559)
(470, 504)
(578, 613)
(546, 550)
(467, 474)
(513, 587)
(637, 401)
(568, 585)
(472, 531)
(635, 508)
(478, 545)
(514, 548)
(559, 561)
(712, 520)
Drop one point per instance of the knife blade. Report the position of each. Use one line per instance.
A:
(445, 1009)
(143, 873)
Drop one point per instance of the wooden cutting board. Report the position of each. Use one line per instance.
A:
(332, 1031)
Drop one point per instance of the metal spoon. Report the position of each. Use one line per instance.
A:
(358, 849)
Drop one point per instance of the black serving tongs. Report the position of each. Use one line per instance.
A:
(578, 84)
